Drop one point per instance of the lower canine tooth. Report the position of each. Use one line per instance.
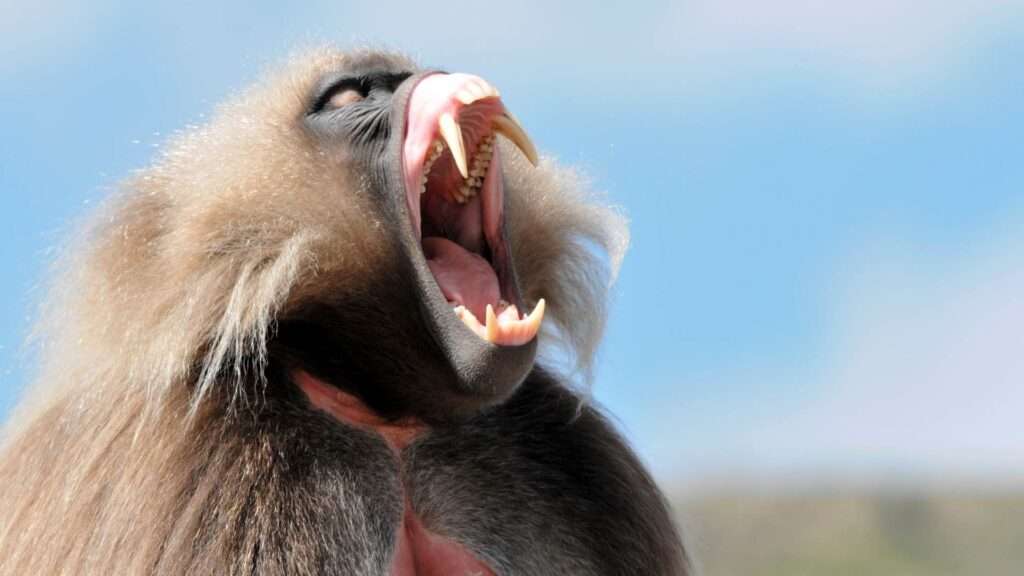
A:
(452, 134)
(538, 312)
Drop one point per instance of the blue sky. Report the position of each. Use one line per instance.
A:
(826, 277)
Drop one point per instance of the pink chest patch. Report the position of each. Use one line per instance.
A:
(418, 551)
(421, 553)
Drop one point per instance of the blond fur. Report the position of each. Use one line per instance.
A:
(178, 280)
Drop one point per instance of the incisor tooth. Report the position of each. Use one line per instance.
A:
(475, 90)
(513, 131)
(509, 314)
(453, 137)
(506, 329)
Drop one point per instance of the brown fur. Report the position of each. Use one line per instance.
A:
(161, 313)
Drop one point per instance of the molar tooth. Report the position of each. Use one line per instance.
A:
(513, 131)
(453, 137)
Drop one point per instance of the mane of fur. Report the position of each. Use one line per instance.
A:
(163, 305)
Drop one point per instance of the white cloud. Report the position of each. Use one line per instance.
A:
(931, 358)
(926, 377)
(879, 37)
(648, 47)
(621, 49)
(33, 32)
(921, 381)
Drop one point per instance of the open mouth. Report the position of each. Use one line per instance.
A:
(455, 196)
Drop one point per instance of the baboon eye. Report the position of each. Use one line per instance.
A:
(343, 93)
(344, 98)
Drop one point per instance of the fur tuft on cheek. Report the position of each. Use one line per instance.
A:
(178, 280)
(568, 247)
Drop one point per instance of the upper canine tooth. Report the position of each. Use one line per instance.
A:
(453, 137)
(510, 128)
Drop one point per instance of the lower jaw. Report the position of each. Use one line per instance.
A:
(418, 551)
(503, 322)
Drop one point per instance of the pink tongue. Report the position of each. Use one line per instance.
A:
(464, 277)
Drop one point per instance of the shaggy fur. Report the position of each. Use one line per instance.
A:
(157, 438)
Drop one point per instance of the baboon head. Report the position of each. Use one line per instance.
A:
(385, 228)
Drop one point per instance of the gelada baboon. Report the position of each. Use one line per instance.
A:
(304, 340)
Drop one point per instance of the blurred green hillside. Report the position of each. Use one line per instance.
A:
(736, 533)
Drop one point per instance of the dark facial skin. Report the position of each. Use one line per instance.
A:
(438, 370)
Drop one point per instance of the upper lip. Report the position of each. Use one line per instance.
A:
(442, 111)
